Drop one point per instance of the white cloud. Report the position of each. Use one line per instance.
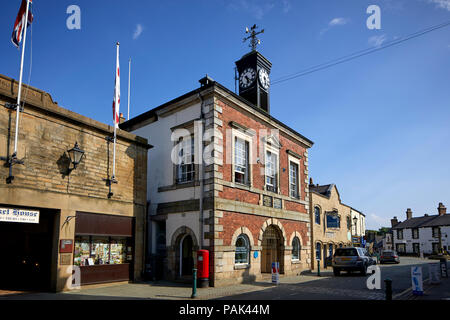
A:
(377, 41)
(257, 8)
(334, 23)
(286, 6)
(137, 33)
(338, 22)
(444, 4)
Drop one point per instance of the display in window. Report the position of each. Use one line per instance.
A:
(81, 251)
(118, 254)
(100, 251)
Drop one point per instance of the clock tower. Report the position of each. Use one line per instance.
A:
(254, 70)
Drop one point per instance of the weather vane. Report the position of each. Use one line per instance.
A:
(254, 40)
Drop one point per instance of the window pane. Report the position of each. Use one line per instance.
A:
(296, 249)
(100, 251)
(82, 251)
(241, 167)
(293, 172)
(242, 250)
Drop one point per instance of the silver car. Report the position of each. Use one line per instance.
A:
(389, 256)
(351, 259)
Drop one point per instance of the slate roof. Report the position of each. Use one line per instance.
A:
(324, 190)
(422, 222)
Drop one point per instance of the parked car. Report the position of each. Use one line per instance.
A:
(389, 256)
(351, 259)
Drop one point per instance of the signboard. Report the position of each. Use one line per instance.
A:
(277, 203)
(417, 280)
(65, 246)
(267, 201)
(19, 216)
(275, 272)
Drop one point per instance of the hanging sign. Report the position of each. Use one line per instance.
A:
(417, 281)
(19, 216)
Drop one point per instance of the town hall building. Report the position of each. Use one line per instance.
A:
(226, 176)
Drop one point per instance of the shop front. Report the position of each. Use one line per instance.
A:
(104, 248)
(27, 247)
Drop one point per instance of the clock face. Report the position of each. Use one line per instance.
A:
(248, 76)
(264, 79)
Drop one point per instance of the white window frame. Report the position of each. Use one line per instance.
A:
(190, 162)
(297, 162)
(236, 134)
(275, 151)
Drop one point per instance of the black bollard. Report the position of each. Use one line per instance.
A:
(388, 283)
(194, 283)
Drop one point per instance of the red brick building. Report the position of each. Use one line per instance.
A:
(227, 177)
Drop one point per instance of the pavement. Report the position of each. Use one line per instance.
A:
(307, 286)
(158, 290)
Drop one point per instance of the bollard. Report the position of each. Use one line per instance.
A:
(388, 283)
(194, 283)
(318, 268)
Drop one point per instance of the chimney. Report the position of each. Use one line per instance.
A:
(408, 214)
(121, 118)
(311, 182)
(394, 222)
(442, 209)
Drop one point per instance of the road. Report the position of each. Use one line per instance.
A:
(345, 287)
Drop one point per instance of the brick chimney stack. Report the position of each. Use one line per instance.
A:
(311, 182)
(394, 222)
(442, 209)
(408, 214)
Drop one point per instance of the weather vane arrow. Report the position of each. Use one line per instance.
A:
(254, 40)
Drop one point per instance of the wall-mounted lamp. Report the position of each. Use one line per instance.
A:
(76, 155)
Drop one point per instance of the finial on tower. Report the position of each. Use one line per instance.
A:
(254, 40)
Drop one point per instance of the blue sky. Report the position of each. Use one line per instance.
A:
(380, 123)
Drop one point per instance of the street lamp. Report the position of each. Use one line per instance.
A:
(76, 155)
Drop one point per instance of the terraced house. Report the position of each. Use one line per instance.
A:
(226, 176)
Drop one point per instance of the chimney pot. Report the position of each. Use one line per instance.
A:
(409, 214)
(311, 182)
(442, 210)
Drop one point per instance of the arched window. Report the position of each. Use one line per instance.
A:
(242, 255)
(318, 251)
(317, 214)
(296, 247)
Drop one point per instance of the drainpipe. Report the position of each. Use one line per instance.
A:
(201, 170)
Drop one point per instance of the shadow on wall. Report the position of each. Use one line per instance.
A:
(248, 278)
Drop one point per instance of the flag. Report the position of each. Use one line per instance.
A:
(16, 37)
(116, 102)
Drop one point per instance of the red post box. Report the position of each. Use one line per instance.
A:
(203, 268)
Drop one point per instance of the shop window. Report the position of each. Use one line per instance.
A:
(242, 254)
(296, 247)
(90, 251)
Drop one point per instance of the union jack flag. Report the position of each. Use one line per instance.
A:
(20, 22)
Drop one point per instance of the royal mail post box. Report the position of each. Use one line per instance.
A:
(203, 268)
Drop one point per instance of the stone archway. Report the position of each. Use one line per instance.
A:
(183, 252)
(272, 244)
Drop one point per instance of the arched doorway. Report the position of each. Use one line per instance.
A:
(272, 249)
(186, 256)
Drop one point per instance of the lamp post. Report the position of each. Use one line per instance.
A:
(75, 155)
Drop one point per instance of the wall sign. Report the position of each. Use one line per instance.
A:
(65, 246)
(19, 216)
(277, 203)
(267, 201)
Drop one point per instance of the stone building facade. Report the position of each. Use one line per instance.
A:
(246, 200)
(330, 223)
(76, 208)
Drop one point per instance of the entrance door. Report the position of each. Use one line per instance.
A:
(272, 250)
(26, 254)
(186, 256)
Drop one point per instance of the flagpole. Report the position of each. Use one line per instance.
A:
(20, 79)
(117, 105)
(129, 86)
